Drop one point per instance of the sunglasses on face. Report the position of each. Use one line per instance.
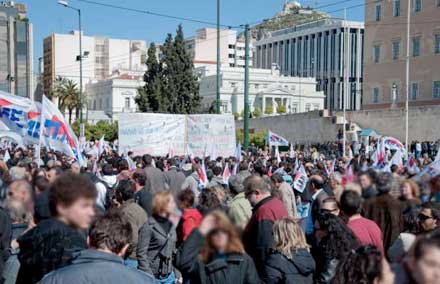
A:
(423, 217)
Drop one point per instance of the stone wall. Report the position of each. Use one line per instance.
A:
(424, 124)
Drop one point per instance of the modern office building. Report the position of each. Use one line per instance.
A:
(203, 48)
(16, 50)
(269, 91)
(102, 56)
(316, 49)
(385, 53)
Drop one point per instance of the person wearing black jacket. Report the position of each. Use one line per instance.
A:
(5, 240)
(142, 196)
(213, 253)
(290, 261)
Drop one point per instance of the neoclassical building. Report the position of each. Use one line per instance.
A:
(268, 90)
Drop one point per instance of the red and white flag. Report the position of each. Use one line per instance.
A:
(226, 173)
(202, 174)
(300, 180)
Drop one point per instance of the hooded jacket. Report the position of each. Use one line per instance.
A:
(279, 269)
(94, 267)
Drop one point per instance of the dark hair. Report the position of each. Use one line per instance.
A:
(243, 166)
(394, 168)
(42, 183)
(209, 201)
(147, 159)
(216, 170)
(339, 240)
(259, 168)
(160, 165)
(277, 178)
(351, 203)
(68, 188)
(411, 220)
(172, 162)
(123, 165)
(318, 182)
(186, 198)
(435, 212)
(58, 170)
(125, 190)
(384, 182)
(107, 169)
(360, 266)
(424, 244)
(110, 231)
(140, 177)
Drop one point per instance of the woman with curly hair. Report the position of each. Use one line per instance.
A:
(213, 253)
(335, 241)
(365, 265)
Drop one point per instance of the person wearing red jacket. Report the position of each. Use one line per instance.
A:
(191, 217)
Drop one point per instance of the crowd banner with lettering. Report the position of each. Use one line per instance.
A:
(160, 134)
(56, 132)
(20, 115)
(393, 144)
(151, 133)
(211, 129)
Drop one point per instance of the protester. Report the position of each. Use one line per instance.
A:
(109, 239)
(366, 180)
(366, 231)
(429, 217)
(133, 214)
(257, 236)
(318, 195)
(191, 217)
(286, 194)
(193, 180)
(209, 201)
(52, 243)
(330, 205)
(143, 197)
(155, 178)
(157, 240)
(410, 193)
(405, 240)
(240, 210)
(174, 178)
(290, 261)
(366, 264)
(5, 237)
(213, 253)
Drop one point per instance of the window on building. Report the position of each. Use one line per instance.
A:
(99, 48)
(308, 107)
(376, 53)
(127, 103)
(414, 90)
(396, 50)
(233, 84)
(416, 46)
(316, 107)
(231, 55)
(396, 8)
(376, 94)
(417, 5)
(378, 13)
(231, 46)
(94, 104)
(294, 108)
(437, 43)
(436, 89)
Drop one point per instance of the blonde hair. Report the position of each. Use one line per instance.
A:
(289, 236)
(160, 201)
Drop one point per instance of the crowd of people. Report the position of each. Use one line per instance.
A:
(144, 219)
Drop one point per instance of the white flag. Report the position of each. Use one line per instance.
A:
(300, 180)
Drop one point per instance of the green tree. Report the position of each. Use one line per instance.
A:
(95, 132)
(66, 91)
(257, 112)
(268, 110)
(281, 109)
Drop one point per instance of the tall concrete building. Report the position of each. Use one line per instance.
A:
(102, 57)
(203, 48)
(385, 53)
(316, 49)
(16, 50)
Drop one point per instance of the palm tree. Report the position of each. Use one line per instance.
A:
(66, 91)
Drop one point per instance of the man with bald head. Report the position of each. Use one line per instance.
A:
(317, 197)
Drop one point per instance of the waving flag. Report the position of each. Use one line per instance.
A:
(397, 159)
(170, 151)
(291, 152)
(411, 164)
(238, 152)
(277, 155)
(100, 145)
(300, 180)
(379, 156)
(393, 144)
(276, 140)
(226, 173)
(202, 174)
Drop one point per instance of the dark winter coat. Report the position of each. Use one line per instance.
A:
(279, 269)
(95, 267)
(174, 179)
(232, 269)
(48, 246)
(155, 180)
(257, 236)
(5, 239)
(145, 200)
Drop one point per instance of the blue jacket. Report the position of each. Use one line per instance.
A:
(95, 267)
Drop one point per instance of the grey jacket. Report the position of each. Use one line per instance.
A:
(174, 179)
(136, 216)
(155, 180)
(155, 249)
(96, 267)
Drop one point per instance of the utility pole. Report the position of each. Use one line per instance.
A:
(217, 102)
(345, 92)
(246, 89)
(408, 26)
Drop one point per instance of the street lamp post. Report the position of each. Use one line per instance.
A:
(80, 59)
(408, 27)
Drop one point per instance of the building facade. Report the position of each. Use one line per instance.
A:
(203, 48)
(109, 97)
(102, 57)
(269, 91)
(16, 50)
(316, 49)
(385, 53)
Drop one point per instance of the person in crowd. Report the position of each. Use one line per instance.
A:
(366, 231)
(142, 196)
(5, 238)
(384, 210)
(191, 217)
(365, 264)
(157, 240)
(41, 199)
(155, 178)
(367, 182)
(209, 201)
(330, 205)
(193, 180)
(133, 213)
(53, 173)
(213, 253)
(108, 242)
(290, 261)
(335, 241)
(423, 264)
(286, 193)
(317, 196)
(52, 243)
(429, 217)
(410, 194)
(17, 173)
(243, 169)
(411, 228)
(217, 179)
(240, 210)
(257, 236)
(174, 178)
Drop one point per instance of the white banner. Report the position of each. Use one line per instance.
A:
(160, 134)
(151, 133)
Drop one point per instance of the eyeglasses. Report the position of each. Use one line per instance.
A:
(249, 193)
(424, 217)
